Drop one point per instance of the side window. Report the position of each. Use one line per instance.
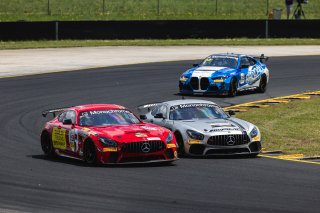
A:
(155, 110)
(160, 109)
(70, 115)
(244, 60)
(252, 61)
(163, 110)
(61, 116)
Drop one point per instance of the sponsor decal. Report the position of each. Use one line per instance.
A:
(73, 140)
(182, 106)
(149, 105)
(242, 78)
(149, 128)
(98, 112)
(257, 138)
(110, 149)
(224, 129)
(153, 139)
(140, 135)
(171, 145)
(192, 141)
(175, 154)
(59, 138)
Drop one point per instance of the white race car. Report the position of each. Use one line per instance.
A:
(202, 128)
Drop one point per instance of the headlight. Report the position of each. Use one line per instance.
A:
(195, 135)
(220, 79)
(169, 138)
(183, 78)
(108, 142)
(254, 132)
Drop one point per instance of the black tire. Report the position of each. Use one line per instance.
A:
(90, 153)
(263, 84)
(46, 144)
(181, 151)
(233, 88)
(253, 155)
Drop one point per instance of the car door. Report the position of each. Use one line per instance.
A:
(64, 133)
(160, 116)
(244, 68)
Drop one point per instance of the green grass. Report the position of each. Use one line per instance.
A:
(39, 10)
(292, 127)
(168, 42)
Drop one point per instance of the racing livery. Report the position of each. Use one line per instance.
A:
(106, 133)
(225, 74)
(202, 128)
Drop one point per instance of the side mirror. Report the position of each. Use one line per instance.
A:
(195, 65)
(67, 122)
(231, 112)
(143, 117)
(158, 115)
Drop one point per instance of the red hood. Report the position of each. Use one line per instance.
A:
(132, 133)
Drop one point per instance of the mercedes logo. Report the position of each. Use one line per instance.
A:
(230, 140)
(145, 147)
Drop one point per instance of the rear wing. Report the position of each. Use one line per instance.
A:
(52, 111)
(262, 58)
(144, 109)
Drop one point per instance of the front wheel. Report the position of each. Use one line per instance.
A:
(233, 88)
(90, 153)
(181, 151)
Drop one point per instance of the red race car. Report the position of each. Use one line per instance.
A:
(107, 134)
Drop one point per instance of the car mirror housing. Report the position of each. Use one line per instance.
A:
(143, 117)
(67, 122)
(159, 115)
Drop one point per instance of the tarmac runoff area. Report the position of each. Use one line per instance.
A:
(35, 61)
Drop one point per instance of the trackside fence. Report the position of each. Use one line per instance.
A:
(179, 29)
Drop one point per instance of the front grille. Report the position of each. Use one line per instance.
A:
(195, 83)
(204, 83)
(226, 140)
(140, 147)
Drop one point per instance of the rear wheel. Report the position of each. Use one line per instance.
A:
(233, 88)
(181, 151)
(90, 153)
(46, 144)
(263, 84)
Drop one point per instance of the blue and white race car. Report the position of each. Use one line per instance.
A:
(225, 74)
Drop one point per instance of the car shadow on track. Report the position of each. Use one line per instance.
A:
(242, 93)
(75, 162)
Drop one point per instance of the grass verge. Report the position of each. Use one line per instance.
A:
(164, 42)
(292, 127)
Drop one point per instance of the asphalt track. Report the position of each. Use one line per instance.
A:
(31, 182)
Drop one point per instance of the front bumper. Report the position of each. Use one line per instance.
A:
(207, 88)
(207, 150)
(121, 157)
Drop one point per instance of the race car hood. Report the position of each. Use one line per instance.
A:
(216, 125)
(207, 71)
(131, 133)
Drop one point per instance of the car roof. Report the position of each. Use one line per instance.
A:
(187, 101)
(228, 54)
(97, 107)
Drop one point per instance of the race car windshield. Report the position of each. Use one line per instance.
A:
(196, 112)
(106, 118)
(215, 61)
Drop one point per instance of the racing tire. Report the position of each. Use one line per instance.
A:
(233, 88)
(263, 84)
(253, 155)
(90, 153)
(181, 151)
(46, 144)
